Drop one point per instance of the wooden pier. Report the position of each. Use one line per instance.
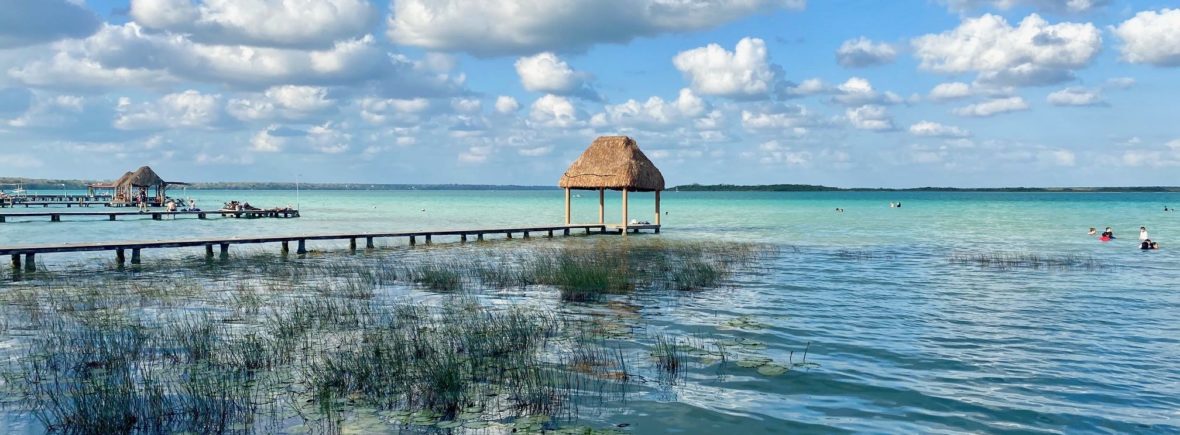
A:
(29, 252)
(157, 215)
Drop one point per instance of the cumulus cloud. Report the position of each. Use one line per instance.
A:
(265, 142)
(554, 111)
(950, 91)
(1076, 96)
(870, 117)
(500, 27)
(653, 114)
(281, 23)
(743, 73)
(380, 111)
(858, 92)
(1151, 37)
(934, 129)
(993, 107)
(128, 55)
(779, 117)
(862, 52)
(1032, 53)
(545, 72)
(188, 109)
(506, 105)
(30, 22)
(329, 138)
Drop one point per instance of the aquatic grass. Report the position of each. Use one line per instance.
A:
(1026, 260)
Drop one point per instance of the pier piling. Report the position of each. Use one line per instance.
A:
(120, 258)
(369, 243)
(302, 248)
(135, 256)
(16, 261)
(30, 262)
(208, 251)
(224, 251)
(352, 245)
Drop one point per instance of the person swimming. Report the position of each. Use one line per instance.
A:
(1148, 244)
(1143, 234)
(1093, 231)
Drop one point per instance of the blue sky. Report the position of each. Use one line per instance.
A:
(842, 92)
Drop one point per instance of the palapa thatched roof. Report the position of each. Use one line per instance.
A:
(616, 163)
(114, 184)
(143, 177)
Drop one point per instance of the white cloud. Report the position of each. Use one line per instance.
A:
(1076, 96)
(774, 152)
(742, 73)
(476, 154)
(283, 23)
(1047, 5)
(379, 111)
(536, 151)
(858, 92)
(329, 138)
(554, 111)
(934, 129)
(780, 118)
(950, 91)
(499, 27)
(1033, 53)
(545, 72)
(466, 105)
(655, 113)
(1059, 157)
(300, 98)
(862, 52)
(1151, 37)
(807, 87)
(993, 107)
(506, 105)
(870, 117)
(1120, 83)
(128, 55)
(188, 109)
(30, 22)
(265, 142)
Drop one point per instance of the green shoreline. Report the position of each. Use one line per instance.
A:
(56, 184)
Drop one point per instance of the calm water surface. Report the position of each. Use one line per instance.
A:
(906, 341)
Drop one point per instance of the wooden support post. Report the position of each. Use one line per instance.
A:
(509, 234)
(428, 239)
(567, 206)
(352, 244)
(112, 216)
(413, 241)
(16, 261)
(657, 221)
(550, 234)
(601, 206)
(224, 251)
(301, 248)
(566, 232)
(286, 248)
(462, 238)
(369, 243)
(134, 255)
(157, 217)
(200, 215)
(55, 218)
(120, 258)
(587, 230)
(479, 237)
(30, 262)
(624, 210)
(1, 219)
(526, 234)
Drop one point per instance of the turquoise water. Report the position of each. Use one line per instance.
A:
(906, 340)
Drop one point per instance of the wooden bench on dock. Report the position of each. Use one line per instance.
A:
(29, 252)
(157, 214)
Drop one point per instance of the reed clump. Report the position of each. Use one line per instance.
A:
(1025, 260)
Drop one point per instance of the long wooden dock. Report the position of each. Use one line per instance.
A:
(29, 252)
(9, 203)
(157, 214)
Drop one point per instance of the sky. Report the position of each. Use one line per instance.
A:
(849, 93)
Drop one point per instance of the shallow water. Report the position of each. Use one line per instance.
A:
(905, 340)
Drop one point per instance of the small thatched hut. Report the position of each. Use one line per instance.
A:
(615, 163)
(133, 187)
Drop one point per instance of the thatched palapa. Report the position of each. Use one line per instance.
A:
(144, 177)
(616, 163)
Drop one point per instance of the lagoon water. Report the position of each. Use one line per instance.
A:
(905, 339)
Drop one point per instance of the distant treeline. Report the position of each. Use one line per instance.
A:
(815, 188)
(8, 183)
